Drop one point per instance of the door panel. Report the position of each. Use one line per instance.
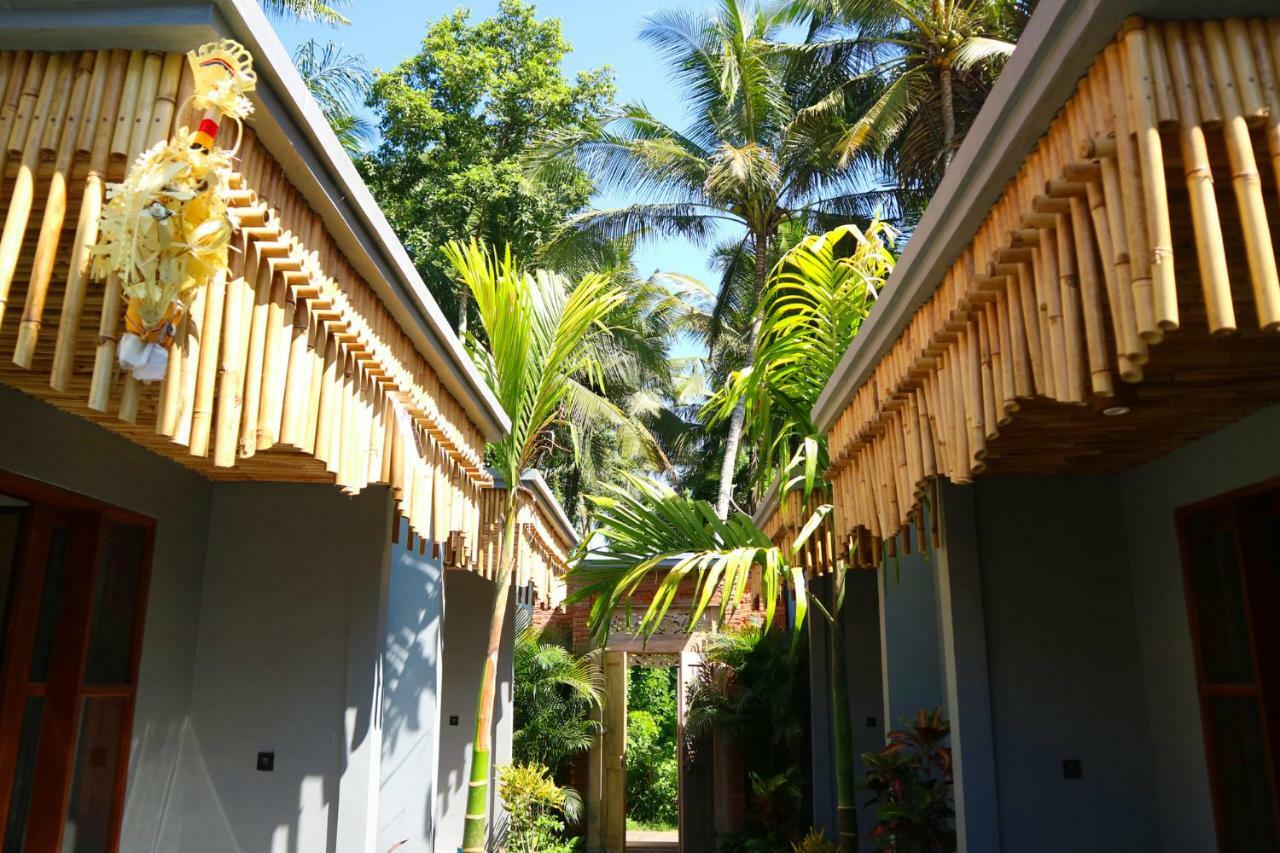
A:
(68, 668)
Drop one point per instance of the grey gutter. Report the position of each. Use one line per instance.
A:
(767, 507)
(1060, 42)
(291, 126)
(536, 484)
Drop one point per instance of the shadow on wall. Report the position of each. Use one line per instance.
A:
(411, 702)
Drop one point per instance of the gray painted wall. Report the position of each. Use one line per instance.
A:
(287, 661)
(1240, 455)
(910, 645)
(411, 701)
(1064, 666)
(43, 443)
(468, 603)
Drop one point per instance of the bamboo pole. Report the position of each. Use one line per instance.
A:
(37, 96)
(1210, 249)
(1144, 123)
(63, 131)
(211, 326)
(1091, 300)
(1246, 181)
(1071, 309)
(236, 308)
(15, 83)
(95, 136)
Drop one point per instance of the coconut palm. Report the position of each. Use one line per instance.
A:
(751, 160)
(338, 81)
(935, 60)
(541, 359)
(309, 10)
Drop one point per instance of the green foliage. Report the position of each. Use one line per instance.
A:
(555, 692)
(643, 523)
(814, 842)
(911, 783)
(813, 305)
(338, 81)
(455, 120)
(535, 809)
(652, 771)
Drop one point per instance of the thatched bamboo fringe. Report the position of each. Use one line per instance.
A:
(1070, 279)
(291, 348)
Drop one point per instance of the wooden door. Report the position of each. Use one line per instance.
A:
(1231, 558)
(74, 587)
(613, 823)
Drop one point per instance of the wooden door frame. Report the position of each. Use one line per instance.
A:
(1229, 501)
(45, 497)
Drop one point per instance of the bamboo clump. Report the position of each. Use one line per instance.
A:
(289, 367)
(1070, 280)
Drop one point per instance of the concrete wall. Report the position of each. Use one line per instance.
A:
(411, 701)
(468, 603)
(911, 666)
(42, 443)
(1237, 456)
(288, 661)
(1064, 666)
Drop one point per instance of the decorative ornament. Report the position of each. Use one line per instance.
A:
(165, 230)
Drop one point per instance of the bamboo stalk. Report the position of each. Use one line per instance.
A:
(1135, 218)
(62, 132)
(1210, 248)
(236, 308)
(215, 304)
(1144, 123)
(96, 137)
(1247, 183)
(1091, 300)
(1070, 293)
(104, 360)
(15, 64)
(32, 109)
(128, 105)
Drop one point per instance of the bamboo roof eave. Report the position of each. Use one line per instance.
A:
(291, 126)
(1055, 50)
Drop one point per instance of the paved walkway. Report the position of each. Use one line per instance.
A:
(639, 841)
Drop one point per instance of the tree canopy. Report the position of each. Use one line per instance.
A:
(455, 120)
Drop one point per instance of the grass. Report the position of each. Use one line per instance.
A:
(644, 826)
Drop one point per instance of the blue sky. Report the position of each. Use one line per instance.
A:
(603, 32)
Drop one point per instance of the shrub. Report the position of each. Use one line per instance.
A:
(535, 809)
(911, 781)
(814, 842)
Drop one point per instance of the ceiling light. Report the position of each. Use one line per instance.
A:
(1116, 411)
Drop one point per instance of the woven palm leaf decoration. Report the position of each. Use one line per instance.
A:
(165, 230)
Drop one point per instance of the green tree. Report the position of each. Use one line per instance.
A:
(752, 158)
(934, 62)
(555, 692)
(541, 358)
(338, 81)
(455, 120)
(309, 10)
(652, 771)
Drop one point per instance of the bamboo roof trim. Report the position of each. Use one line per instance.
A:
(1069, 282)
(290, 369)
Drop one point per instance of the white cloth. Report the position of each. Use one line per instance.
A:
(147, 362)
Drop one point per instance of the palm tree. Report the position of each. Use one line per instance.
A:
(308, 10)
(338, 81)
(751, 160)
(814, 304)
(541, 361)
(936, 61)
(555, 691)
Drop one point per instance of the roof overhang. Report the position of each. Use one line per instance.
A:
(1060, 42)
(290, 125)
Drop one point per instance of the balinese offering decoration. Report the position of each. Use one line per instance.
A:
(166, 228)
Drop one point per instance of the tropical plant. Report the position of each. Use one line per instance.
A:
(752, 159)
(910, 780)
(813, 305)
(555, 692)
(455, 120)
(933, 61)
(537, 809)
(814, 842)
(541, 361)
(309, 10)
(338, 81)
